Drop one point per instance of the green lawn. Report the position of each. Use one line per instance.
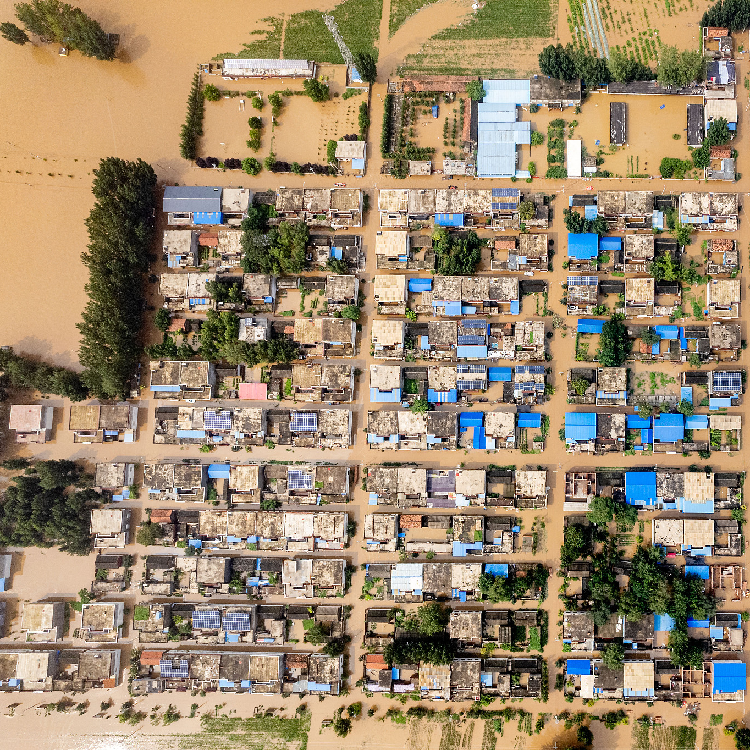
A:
(506, 19)
(401, 10)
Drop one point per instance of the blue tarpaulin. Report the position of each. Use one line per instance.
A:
(208, 217)
(449, 220)
(578, 666)
(191, 433)
(590, 326)
(417, 284)
(452, 307)
(671, 333)
(638, 423)
(696, 422)
(515, 307)
(583, 246)
(700, 571)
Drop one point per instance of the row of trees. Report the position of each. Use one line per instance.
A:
(49, 505)
(732, 14)
(456, 254)
(22, 372)
(676, 67)
(192, 128)
(61, 23)
(120, 228)
(568, 63)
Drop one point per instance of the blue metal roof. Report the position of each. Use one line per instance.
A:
(499, 374)
(218, 471)
(638, 423)
(671, 333)
(590, 211)
(385, 397)
(471, 419)
(700, 571)
(580, 426)
(417, 284)
(529, 420)
(442, 397)
(583, 246)
(449, 220)
(729, 676)
(471, 352)
(696, 422)
(669, 427)
(189, 199)
(578, 666)
(513, 91)
(686, 393)
(590, 326)
(452, 308)
(640, 488)
(610, 244)
(208, 217)
(715, 403)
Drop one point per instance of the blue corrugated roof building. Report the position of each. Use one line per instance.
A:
(578, 666)
(449, 220)
(418, 284)
(529, 421)
(640, 488)
(580, 427)
(583, 246)
(729, 677)
(669, 428)
(610, 244)
(590, 326)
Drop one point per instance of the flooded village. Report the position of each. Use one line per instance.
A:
(431, 428)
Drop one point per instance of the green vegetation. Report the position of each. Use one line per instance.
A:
(316, 90)
(149, 533)
(606, 509)
(49, 505)
(428, 619)
(436, 649)
(456, 255)
(13, 33)
(676, 168)
(120, 229)
(666, 268)
(251, 166)
(274, 250)
(259, 733)
(63, 24)
(614, 344)
(498, 19)
(613, 656)
(626, 69)
(718, 135)
(420, 406)
(211, 93)
(21, 372)
(366, 65)
(732, 14)
(476, 91)
(363, 121)
(532, 584)
(577, 224)
(680, 67)
(192, 129)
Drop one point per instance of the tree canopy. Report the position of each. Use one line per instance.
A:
(49, 506)
(456, 254)
(278, 250)
(624, 69)
(13, 33)
(556, 62)
(578, 224)
(192, 128)
(120, 228)
(22, 372)
(366, 66)
(605, 509)
(732, 14)
(513, 587)
(614, 343)
(475, 90)
(680, 67)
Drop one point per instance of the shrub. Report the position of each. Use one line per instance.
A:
(475, 90)
(537, 138)
(211, 93)
(257, 103)
(316, 90)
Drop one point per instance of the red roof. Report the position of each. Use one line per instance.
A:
(406, 521)
(721, 152)
(177, 324)
(375, 661)
(162, 515)
(505, 243)
(208, 240)
(253, 391)
(151, 658)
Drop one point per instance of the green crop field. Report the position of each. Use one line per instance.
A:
(265, 733)
(506, 19)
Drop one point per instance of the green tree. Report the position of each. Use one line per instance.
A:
(650, 336)
(366, 66)
(680, 67)
(624, 69)
(537, 138)
(120, 227)
(456, 255)
(149, 533)
(251, 166)
(13, 33)
(614, 343)
(742, 739)
(23, 373)
(613, 656)
(686, 408)
(192, 128)
(420, 406)
(316, 90)
(475, 90)
(162, 319)
(574, 544)
(211, 93)
(430, 619)
(719, 133)
(592, 70)
(556, 62)
(352, 312)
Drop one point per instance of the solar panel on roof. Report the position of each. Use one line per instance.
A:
(471, 368)
(167, 668)
(208, 619)
(217, 420)
(304, 421)
(469, 385)
(727, 382)
(473, 323)
(299, 480)
(236, 621)
(505, 192)
(583, 280)
(504, 206)
(471, 340)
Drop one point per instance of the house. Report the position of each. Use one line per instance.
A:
(721, 165)
(385, 384)
(531, 488)
(32, 424)
(188, 425)
(668, 432)
(638, 680)
(583, 295)
(678, 536)
(726, 384)
(500, 430)
(388, 337)
(611, 386)
(114, 478)
(723, 298)
(404, 430)
(728, 681)
(709, 211)
(725, 340)
(286, 484)
(179, 482)
(381, 532)
(392, 250)
(554, 93)
(101, 622)
(186, 205)
(465, 627)
(106, 423)
(638, 253)
(393, 207)
(578, 631)
(354, 152)
(254, 329)
(240, 68)
(695, 125)
(184, 381)
(336, 207)
(43, 622)
(581, 431)
(315, 382)
(726, 430)
(526, 342)
(504, 677)
(110, 527)
(341, 291)
(722, 257)
(390, 293)
(580, 490)
(67, 670)
(726, 632)
(186, 292)
(326, 337)
(465, 680)
(639, 297)
(717, 43)
(304, 578)
(181, 248)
